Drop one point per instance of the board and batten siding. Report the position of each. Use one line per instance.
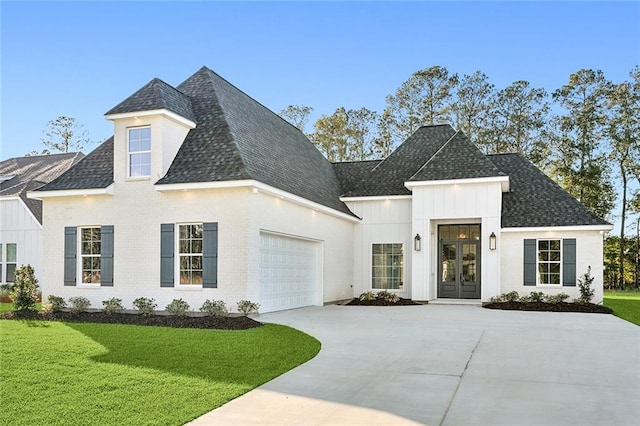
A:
(383, 221)
(19, 226)
(461, 203)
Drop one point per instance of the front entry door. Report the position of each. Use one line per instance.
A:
(459, 264)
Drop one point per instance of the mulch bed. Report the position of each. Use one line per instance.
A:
(223, 323)
(378, 302)
(549, 307)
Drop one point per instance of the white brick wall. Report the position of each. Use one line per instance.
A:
(588, 253)
(136, 211)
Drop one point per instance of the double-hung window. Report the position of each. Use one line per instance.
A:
(387, 267)
(8, 262)
(139, 152)
(190, 253)
(90, 250)
(549, 261)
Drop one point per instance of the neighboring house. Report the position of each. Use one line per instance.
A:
(203, 193)
(21, 217)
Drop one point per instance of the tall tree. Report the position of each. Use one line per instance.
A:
(297, 116)
(65, 134)
(579, 164)
(623, 131)
(425, 98)
(471, 105)
(516, 119)
(346, 135)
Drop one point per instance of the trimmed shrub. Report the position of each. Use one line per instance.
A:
(57, 303)
(584, 285)
(145, 306)
(24, 292)
(79, 304)
(556, 298)
(388, 297)
(536, 296)
(178, 307)
(214, 308)
(246, 307)
(367, 296)
(112, 306)
(512, 296)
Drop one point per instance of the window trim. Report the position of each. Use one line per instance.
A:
(4, 262)
(129, 153)
(560, 261)
(178, 284)
(404, 267)
(80, 257)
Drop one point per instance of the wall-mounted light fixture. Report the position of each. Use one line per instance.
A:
(492, 241)
(417, 242)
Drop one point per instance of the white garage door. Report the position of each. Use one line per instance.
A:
(288, 272)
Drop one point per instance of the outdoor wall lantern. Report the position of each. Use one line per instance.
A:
(492, 241)
(417, 242)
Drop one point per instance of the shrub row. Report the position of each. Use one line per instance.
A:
(383, 295)
(146, 306)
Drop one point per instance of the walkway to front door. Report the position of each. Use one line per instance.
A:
(459, 261)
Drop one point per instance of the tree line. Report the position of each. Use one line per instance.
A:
(584, 135)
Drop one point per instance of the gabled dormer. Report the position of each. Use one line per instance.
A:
(149, 128)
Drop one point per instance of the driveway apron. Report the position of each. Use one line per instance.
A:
(450, 365)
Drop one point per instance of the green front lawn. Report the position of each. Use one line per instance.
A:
(79, 374)
(625, 304)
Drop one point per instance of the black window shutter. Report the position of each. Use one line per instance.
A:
(569, 262)
(106, 256)
(530, 262)
(167, 248)
(70, 254)
(210, 255)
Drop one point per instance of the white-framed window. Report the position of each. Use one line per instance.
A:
(139, 152)
(190, 254)
(549, 263)
(387, 266)
(90, 250)
(8, 262)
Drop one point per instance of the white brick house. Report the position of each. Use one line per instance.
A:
(203, 193)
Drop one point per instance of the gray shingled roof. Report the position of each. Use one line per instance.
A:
(92, 172)
(235, 138)
(156, 95)
(351, 173)
(389, 176)
(535, 200)
(29, 173)
(458, 158)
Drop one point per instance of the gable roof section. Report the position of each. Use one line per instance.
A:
(156, 95)
(389, 176)
(535, 200)
(93, 171)
(23, 174)
(238, 138)
(458, 158)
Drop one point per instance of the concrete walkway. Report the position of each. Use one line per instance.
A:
(450, 365)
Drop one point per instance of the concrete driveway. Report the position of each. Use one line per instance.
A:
(450, 365)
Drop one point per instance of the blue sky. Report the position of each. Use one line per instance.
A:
(80, 59)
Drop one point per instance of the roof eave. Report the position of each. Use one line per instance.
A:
(600, 228)
(503, 180)
(39, 195)
(257, 187)
(163, 112)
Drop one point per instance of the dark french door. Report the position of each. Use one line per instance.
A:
(459, 261)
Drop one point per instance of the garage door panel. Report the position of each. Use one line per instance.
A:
(287, 272)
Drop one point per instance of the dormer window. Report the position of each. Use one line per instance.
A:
(139, 152)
